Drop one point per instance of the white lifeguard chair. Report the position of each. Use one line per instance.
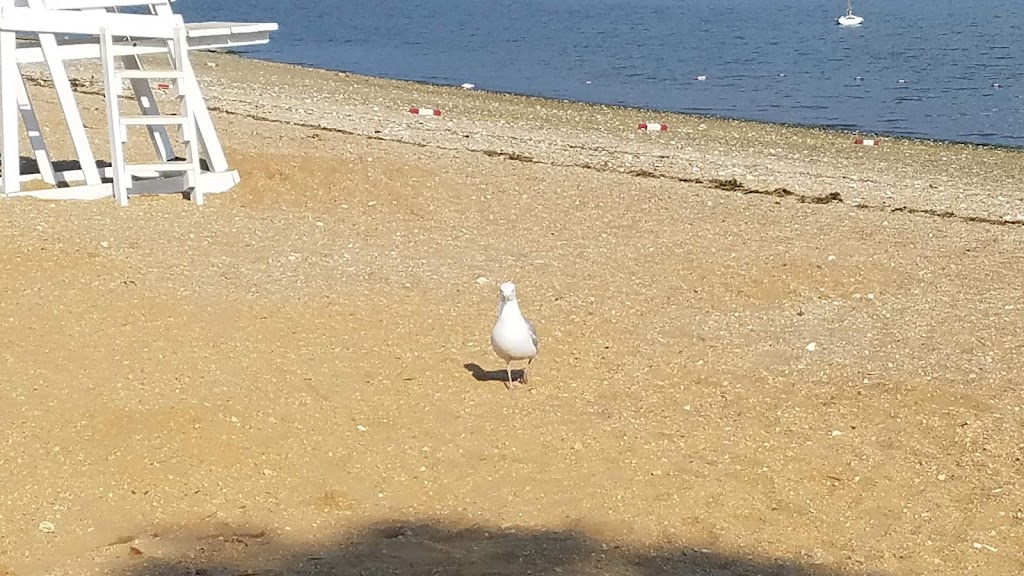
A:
(55, 31)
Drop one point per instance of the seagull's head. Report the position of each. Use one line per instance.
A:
(507, 292)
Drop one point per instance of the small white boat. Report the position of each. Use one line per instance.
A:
(849, 19)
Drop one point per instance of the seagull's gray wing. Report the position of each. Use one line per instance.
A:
(533, 332)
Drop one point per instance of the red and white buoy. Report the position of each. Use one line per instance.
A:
(866, 142)
(425, 111)
(653, 127)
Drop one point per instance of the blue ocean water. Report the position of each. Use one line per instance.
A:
(947, 70)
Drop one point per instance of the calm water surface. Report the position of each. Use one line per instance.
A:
(949, 69)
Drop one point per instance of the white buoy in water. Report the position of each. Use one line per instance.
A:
(849, 19)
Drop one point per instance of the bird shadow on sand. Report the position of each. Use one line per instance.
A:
(482, 375)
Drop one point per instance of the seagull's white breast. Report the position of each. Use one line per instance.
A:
(512, 337)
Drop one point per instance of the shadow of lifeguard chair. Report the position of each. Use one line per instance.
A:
(56, 31)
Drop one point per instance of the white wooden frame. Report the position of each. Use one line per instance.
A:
(45, 19)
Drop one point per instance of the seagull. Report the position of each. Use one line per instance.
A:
(513, 337)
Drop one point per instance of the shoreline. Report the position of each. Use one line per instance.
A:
(966, 181)
(695, 115)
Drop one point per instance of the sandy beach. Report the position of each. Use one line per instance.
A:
(764, 350)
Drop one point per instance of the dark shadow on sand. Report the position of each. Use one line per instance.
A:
(482, 375)
(427, 548)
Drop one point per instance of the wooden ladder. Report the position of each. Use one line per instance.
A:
(181, 85)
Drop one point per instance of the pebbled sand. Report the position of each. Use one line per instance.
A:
(297, 379)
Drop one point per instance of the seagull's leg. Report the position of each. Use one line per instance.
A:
(526, 370)
(508, 368)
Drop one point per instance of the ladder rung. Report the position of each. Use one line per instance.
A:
(181, 166)
(151, 74)
(154, 120)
